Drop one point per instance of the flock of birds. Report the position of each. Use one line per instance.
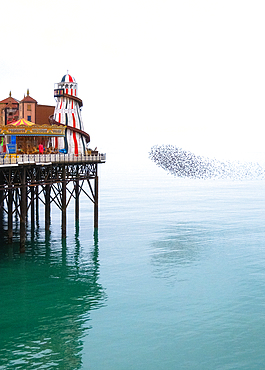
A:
(183, 163)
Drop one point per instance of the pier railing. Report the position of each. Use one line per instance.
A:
(19, 159)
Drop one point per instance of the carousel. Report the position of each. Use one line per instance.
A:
(24, 137)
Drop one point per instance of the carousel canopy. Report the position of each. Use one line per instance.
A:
(22, 122)
(26, 128)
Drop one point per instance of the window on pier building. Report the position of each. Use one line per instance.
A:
(29, 118)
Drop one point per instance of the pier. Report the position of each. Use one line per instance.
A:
(27, 181)
(45, 159)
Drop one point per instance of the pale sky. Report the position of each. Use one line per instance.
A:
(186, 73)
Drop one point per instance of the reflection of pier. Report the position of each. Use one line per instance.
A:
(27, 180)
(45, 313)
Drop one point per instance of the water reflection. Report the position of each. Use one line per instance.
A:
(46, 297)
(180, 246)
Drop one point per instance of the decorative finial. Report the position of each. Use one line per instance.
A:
(10, 94)
(68, 71)
(28, 92)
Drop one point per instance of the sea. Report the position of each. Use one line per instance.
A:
(174, 278)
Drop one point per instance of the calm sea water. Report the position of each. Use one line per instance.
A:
(175, 279)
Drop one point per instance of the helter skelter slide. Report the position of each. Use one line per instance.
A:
(67, 112)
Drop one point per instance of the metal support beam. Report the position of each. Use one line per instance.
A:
(77, 200)
(16, 202)
(10, 216)
(63, 204)
(96, 203)
(1, 201)
(47, 207)
(23, 211)
(32, 204)
(37, 203)
(37, 183)
(2, 181)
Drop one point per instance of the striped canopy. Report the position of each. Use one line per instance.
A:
(22, 122)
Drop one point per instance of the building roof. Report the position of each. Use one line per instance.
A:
(28, 99)
(9, 100)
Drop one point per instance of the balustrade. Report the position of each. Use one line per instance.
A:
(17, 159)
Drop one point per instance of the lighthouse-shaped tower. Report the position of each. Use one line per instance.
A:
(68, 113)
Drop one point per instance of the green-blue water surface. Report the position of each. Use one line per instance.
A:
(175, 279)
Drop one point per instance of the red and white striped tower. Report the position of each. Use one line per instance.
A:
(67, 112)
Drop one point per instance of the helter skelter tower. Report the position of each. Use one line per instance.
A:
(68, 113)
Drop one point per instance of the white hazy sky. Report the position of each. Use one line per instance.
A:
(186, 72)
